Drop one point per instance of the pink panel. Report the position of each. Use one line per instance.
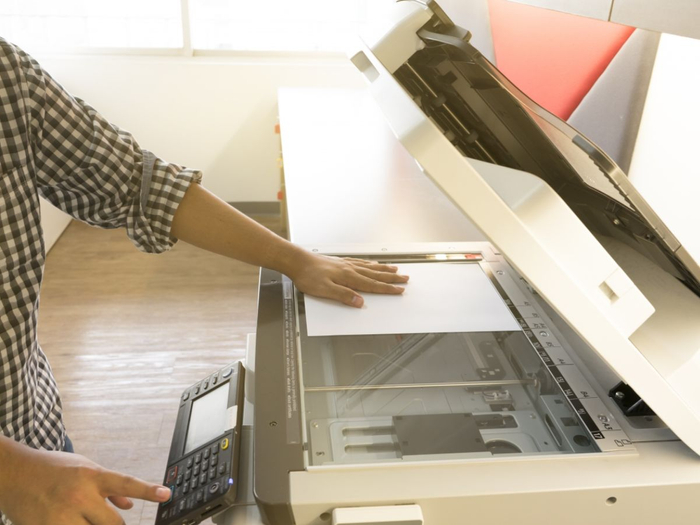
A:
(555, 58)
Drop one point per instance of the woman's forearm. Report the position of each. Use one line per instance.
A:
(207, 222)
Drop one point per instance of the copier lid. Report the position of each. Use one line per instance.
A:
(479, 137)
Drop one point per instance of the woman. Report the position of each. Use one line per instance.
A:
(56, 146)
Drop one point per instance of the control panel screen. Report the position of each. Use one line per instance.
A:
(208, 418)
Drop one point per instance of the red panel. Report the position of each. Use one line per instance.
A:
(555, 58)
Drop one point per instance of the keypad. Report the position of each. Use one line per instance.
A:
(172, 474)
(202, 476)
(194, 481)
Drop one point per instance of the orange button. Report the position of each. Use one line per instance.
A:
(224, 444)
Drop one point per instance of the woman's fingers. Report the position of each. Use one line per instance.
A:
(102, 514)
(343, 295)
(384, 277)
(359, 282)
(372, 265)
(117, 484)
(121, 502)
(358, 261)
(343, 280)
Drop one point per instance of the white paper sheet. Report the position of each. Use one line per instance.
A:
(439, 298)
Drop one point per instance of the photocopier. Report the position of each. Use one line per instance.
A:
(585, 410)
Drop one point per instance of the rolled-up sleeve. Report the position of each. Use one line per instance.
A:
(95, 171)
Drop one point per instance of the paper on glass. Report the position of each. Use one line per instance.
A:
(439, 298)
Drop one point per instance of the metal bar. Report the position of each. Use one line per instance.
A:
(186, 28)
(467, 257)
(406, 386)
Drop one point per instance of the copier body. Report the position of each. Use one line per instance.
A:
(497, 426)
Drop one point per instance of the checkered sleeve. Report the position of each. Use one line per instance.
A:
(95, 171)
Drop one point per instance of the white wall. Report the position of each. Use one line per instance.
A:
(215, 114)
(665, 167)
(212, 113)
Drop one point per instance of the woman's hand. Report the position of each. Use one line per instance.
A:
(204, 220)
(341, 279)
(59, 488)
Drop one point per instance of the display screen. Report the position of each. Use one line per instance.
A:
(208, 418)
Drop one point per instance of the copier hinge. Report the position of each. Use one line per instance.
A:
(629, 401)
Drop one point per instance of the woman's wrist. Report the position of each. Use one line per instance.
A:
(288, 259)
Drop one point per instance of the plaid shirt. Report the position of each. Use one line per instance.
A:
(56, 146)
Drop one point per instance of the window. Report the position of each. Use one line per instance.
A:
(271, 25)
(39, 25)
(233, 25)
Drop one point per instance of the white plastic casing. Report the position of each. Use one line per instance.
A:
(390, 515)
(547, 244)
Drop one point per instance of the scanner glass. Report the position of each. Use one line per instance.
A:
(411, 397)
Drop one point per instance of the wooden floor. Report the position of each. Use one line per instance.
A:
(126, 332)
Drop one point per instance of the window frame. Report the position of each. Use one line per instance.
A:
(187, 50)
